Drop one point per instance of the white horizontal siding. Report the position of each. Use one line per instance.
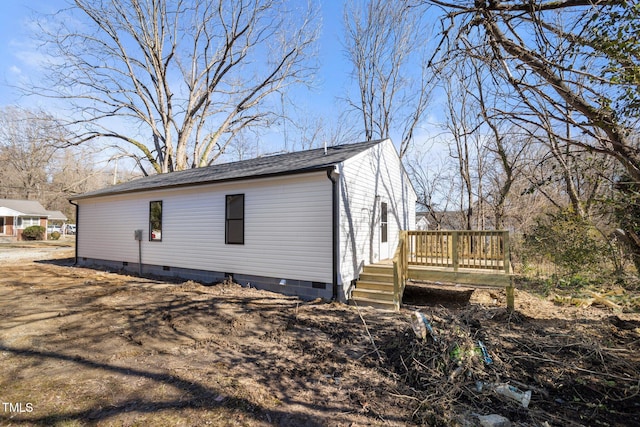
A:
(375, 172)
(288, 228)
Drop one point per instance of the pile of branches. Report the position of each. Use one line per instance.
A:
(454, 372)
(450, 365)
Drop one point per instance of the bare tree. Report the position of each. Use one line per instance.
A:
(508, 150)
(38, 164)
(504, 148)
(173, 81)
(466, 142)
(75, 170)
(561, 54)
(383, 42)
(316, 131)
(431, 177)
(28, 142)
(243, 146)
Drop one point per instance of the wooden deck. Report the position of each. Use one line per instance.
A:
(470, 258)
(464, 276)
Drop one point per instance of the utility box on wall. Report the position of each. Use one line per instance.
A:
(137, 234)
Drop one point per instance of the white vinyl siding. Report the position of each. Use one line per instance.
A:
(374, 172)
(287, 232)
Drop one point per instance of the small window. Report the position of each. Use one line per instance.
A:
(234, 219)
(155, 221)
(383, 221)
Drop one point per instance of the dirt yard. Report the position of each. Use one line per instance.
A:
(87, 347)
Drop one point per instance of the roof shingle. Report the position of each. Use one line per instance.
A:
(282, 164)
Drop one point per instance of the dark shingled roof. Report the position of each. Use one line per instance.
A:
(282, 164)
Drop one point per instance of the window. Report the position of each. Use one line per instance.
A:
(234, 220)
(383, 221)
(155, 221)
(28, 221)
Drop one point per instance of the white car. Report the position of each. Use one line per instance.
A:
(52, 228)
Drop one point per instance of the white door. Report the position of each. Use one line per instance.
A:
(384, 230)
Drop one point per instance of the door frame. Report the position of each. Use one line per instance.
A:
(383, 229)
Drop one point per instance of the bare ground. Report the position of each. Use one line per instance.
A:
(88, 347)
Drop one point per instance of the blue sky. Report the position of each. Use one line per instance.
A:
(17, 48)
(19, 56)
(20, 59)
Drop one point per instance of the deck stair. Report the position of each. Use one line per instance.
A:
(374, 288)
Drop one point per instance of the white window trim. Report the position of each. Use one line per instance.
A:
(21, 221)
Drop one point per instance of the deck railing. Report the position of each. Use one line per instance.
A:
(477, 249)
(400, 268)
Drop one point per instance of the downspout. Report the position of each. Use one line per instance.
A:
(77, 228)
(333, 175)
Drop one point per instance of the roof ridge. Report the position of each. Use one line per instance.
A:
(299, 152)
(281, 164)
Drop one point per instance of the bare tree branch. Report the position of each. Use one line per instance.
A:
(177, 79)
(382, 47)
(550, 51)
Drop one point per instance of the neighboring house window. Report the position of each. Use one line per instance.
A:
(383, 221)
(234, 219)
(28, 221)
(155, 221)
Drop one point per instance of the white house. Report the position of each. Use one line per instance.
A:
(422, 222)
(302, 223)
(16, 215)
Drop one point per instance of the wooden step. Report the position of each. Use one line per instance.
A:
(378, 269)
(372, 294)
(374, 287)
(381, 286)
(376, 277)
(380, 304)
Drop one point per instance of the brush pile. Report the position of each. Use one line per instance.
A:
(471, 363)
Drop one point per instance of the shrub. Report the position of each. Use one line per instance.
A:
(568, 241)
(35, 232)
(54, 236)
(626, 210)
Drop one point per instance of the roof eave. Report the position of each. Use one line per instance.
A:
(207, 182)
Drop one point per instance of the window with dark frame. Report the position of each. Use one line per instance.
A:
(155, 221)
(234, 219)
(383, 222)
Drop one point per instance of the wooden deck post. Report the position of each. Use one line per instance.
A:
(400, 268)
(454, 250)
(506, 252)
(511, 297)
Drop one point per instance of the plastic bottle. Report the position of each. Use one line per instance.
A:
(418, 325)
(421, 325)
(522, 397)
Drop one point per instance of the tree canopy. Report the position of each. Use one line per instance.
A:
(183, 76)
(575, 62)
